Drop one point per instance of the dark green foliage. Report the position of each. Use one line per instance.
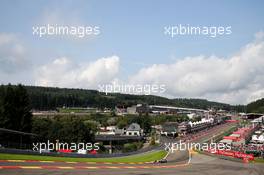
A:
(129, 147)
(160, 119)
(64, 129)
(15, 113)
(256, 106)
(15, 108)
(47, 98)
(122, 122)
(144, 122)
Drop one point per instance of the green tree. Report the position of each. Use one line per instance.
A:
(122, 122)
(112, 121)
(41, 126)
(15, 108)
(91, 124)
(15, 112)
(65, 130)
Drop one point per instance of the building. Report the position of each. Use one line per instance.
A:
(120, 110)
(133, 130)
(110, 130)
(135, 109)
(184, 128)
(175, 110)
(251, 116)
(170, 129)
(142, 108)
(200, 125)
(239, 137)
(258, 138)
(257, 121)
(132, 110)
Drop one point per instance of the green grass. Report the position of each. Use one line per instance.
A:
(145, 157)
(258, 160)
(75, 110)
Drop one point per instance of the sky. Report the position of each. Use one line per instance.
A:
(132, 47)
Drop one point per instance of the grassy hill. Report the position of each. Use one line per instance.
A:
(50, 98)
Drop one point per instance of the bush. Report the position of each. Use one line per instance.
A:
(152, 140)
(129, 147)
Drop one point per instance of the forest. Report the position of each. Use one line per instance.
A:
(18, 101)
(256, 106)
(50, 98)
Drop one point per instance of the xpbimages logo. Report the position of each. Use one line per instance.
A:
(211, 31)
(65, 30)
(183, 146)
(50, 146)
(145, 89)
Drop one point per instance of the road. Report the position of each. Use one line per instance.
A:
(199, 165)
(178, 164)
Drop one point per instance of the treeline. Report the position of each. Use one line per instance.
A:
(15, 115)
(256, 106)
(15, 108)
(49, 98)
(15, 112)
(64, 129)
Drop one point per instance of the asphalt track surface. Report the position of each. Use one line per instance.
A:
(199, 165)
(178, 163)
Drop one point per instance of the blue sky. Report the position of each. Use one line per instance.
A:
(131, 30)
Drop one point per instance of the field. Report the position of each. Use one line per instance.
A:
(146, 157)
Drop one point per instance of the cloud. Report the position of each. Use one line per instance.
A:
(13, 55)
(60, 18)
(62, 72)
(237, 79)
(60, 15)
(259, 36)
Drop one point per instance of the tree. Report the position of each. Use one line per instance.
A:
(42, 127)
(122, 123)
(152, 141)
(3, 119)
(129, 147)
(91, 124)
(143, 120)
(23, 109)
(65, 130)
(47, 98)
(15, 112)
(112, 121)
(256, 106)
(15, 108)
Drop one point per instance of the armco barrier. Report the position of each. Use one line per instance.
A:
(61, 154)
(220, 156)
(234, 154)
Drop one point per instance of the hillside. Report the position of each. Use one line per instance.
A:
(256, 106)
(49, 98)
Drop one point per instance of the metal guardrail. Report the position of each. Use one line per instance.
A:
(221, 156)
(59, 154)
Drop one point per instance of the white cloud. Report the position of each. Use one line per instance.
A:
(62, 72)
(60, 18)
(13, 55)
(6, 38)
(238, 79)
(259, 36)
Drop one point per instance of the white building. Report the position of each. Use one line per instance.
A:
(258, 138)
(133, 130)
